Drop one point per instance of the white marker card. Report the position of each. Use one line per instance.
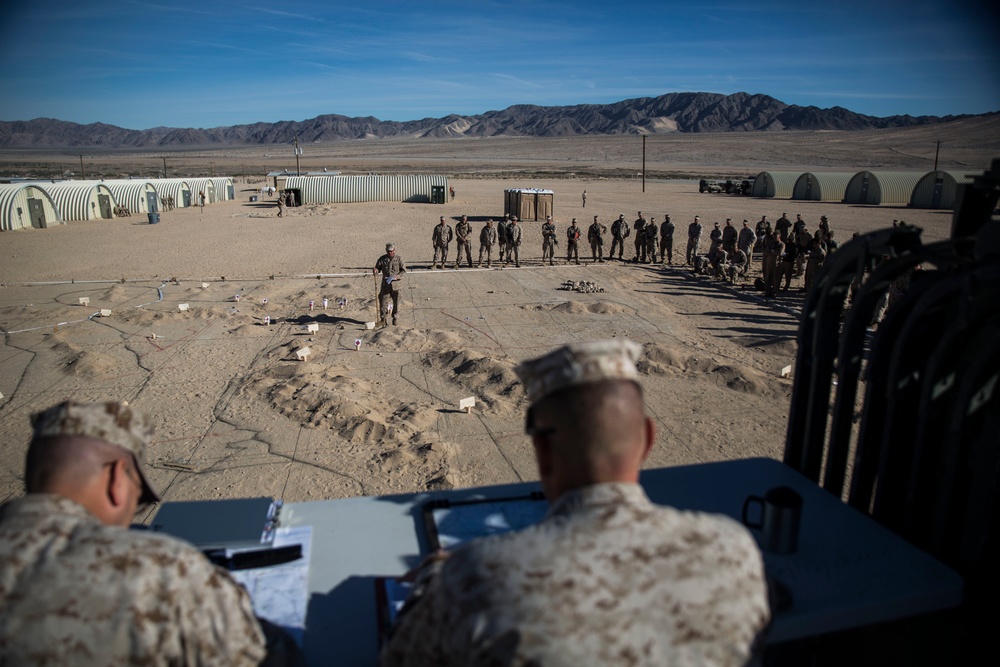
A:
(303, 353)
(312, 327)
(467, 403)
(182, 307)
(105, 312)
(84, 300)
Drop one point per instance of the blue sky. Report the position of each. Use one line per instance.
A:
(177, 63)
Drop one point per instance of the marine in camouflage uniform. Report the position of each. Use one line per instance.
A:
(666, 241)
(502, 235)
(595, 235)
(549, 240)
(463, 230)
(573, 242)
(392, 268)
(514, 242)
(487, 239)
(440, 238)
(619, 232)
(607, 577)
(745, 241)
(729, 237)
(640, 238)
(76, 587)
(694, 240)
(651, 231)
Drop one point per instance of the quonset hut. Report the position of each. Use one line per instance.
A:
(224, 188)
(881, 187)
(352, 189)
(821, 186)
(205, 185)
(937, 189)
(177, 188)
(26, 205)
(81, 200)
(137, 196)
(774, 184)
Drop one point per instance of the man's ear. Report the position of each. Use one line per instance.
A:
(650, 438)
(118, 483)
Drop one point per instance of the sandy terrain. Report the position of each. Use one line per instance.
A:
(239, 415)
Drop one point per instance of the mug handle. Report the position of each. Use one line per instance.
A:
(746, 506)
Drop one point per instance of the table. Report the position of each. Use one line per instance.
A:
(848, 570)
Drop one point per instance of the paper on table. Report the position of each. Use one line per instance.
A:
(280, 593)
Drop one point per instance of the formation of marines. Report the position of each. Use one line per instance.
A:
(787, 250)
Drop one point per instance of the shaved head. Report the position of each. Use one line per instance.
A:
(590, 434)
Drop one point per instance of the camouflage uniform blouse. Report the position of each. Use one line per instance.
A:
(74, 591)
(608, 578)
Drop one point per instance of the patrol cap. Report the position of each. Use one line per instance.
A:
(112, 422)
(579, 364)
(389, 246)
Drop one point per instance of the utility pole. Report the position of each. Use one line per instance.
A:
(83, 174)
(211, 169)
(936, 152)
(644, 163)
(164, 167)
(298, 152)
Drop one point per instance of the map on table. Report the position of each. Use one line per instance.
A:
(450, 523)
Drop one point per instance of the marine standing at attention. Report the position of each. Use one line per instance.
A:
(640, 238)
(619, 232)
(666, 241)
(487, 239)
(549, 240)
(607, 577)
(514, 241)
(572, 242)
(694, 240)
(463, 230)
(440, 238)
(595, 235)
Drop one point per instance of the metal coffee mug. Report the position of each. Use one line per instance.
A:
(779, 517)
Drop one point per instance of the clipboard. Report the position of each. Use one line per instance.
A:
(450, 523)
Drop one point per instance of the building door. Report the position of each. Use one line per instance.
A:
(809, 188)
(231, 192)
(36, 212)
(104, 203)
(864, 190)
(938, 188)
(151, 202)
(187, 198)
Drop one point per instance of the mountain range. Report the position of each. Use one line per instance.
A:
(673, 112)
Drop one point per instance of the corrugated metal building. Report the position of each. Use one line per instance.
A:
(822, 186)
(881, 187)
(137, 196)
(528, 203)
(351, 189)
(178, 188)
(938, 189)
(205, 185)
(774, 184)
(26, 205)
(225, 190)
(81, 200)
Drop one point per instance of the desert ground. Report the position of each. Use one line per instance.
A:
(239, 414)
